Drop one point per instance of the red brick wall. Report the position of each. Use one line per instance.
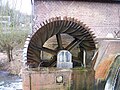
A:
(102, 18)
(75, 79)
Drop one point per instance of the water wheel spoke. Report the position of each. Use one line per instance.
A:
(59, 41)
(53, 52)
(73, 44)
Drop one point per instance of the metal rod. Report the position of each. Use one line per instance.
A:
(41, 54)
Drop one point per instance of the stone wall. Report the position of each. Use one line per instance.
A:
(102, 18)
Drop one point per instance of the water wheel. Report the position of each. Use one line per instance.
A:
(81, 35)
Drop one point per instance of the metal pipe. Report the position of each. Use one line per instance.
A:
(84, 58)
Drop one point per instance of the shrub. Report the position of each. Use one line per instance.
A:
(10, 40)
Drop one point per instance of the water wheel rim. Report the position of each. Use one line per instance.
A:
(57, 26)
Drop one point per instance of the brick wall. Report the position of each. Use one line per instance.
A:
(46, 79)
(102, 18)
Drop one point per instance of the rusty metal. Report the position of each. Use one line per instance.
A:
(57, 26)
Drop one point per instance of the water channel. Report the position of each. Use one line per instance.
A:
(10, 82)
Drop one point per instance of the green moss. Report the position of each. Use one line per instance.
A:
(80, 69)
